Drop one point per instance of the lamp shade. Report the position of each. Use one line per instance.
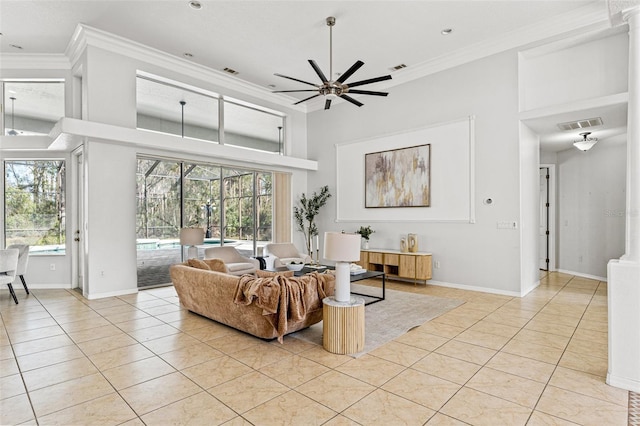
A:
(191, 236)
(341, 247)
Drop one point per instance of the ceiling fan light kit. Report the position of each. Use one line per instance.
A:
(332, 89)
(586, 143)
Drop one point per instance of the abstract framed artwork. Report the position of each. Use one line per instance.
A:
(398, 177)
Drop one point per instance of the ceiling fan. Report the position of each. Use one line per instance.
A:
(332, 89)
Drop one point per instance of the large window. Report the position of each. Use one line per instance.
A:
(195, 113)
(35, 204)
(32, 107)
(233, 205)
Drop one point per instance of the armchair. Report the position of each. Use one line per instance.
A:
(284, 253)
(236, 263)
(23, 260)
(8, 269)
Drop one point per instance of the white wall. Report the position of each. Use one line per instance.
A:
(591, 192)
(529, 208)
(476, 255)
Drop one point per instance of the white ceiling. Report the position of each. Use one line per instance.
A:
(260, 38)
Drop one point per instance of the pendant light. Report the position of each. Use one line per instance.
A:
(12, 132)
(182, 104)
(586, 143)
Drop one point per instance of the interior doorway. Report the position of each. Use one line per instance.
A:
(79, 228)
(546, 234)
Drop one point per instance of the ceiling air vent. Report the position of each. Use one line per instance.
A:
(230, 71)
(581, 124)
(398, 67)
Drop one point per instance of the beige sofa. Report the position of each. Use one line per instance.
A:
(243, 302)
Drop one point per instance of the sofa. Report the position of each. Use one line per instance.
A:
(236, 263)
(285, 253)
(268, 306)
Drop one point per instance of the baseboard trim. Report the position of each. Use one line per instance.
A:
(17, 285)
(623, 383)
(111, 294)
(474, 288)
(581, 275)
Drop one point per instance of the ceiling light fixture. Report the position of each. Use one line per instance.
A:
(12, 132)
(586, 143)
(332, 89)
(196, 5)
(446, 31)
(187, 55)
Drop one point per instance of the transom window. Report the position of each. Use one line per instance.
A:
(32, 107)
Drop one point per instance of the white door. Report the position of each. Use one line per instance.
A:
(78, 232)
(544, 219)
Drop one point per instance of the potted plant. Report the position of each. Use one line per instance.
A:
(365, 232)
(306, 213)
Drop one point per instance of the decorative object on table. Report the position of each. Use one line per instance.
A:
(343, 249)
(306, 213)
(295, 266)
(398, 178)
(403, 245)
(191, 237)
(365, 232)
(330, 88)
(355, 269)
(412, 243)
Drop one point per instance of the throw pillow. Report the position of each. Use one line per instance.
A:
(217, 265)
(197, 263)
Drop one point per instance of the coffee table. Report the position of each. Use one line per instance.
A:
(352, 278)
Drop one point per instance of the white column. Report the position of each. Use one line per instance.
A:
(624, 275)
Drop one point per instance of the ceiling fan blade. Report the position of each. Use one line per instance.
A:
(318, 71)
(327, 104)
(371, 80)
(306, 99)
(350, 99)
(291, 91)
(368, 92)
(348, 73)
(295, 79)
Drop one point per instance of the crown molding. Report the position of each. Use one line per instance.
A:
(85, 35)
(39, 61)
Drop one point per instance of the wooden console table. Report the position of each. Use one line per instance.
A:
(396, 264)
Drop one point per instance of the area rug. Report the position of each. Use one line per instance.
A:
(390, 318)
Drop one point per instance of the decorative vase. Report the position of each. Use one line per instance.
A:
(365, 244)
(403, 245)
(412, 243)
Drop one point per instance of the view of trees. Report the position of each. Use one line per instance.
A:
(158, 193)
(34, 202)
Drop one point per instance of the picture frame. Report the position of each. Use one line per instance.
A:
(398, 177)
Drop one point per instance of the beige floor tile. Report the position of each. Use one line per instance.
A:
(466, 352)
(172, 342)
(589, 385)
(149, 303)
(446, 367)
(120, 356)
(131, 315)
(6, 352)
(55, 356)
(441, 420)
(8, 367)
(399, 353)
(11, 386)
(203, 331)
(191, 355)
(335, 390)
(521, 366)
(199, 409)
(581, 409)
(506, 319)
(319, 355)
(384, 408)
(95, 333)
(341, 420)
(534, 351)
(193, 322)
(75, 325)
(30, 324)
(543, 339)
(293, 345)
(216, 371)
(136, 372)
(422, 340)
(371, 369)
(550, 327)
(581, 362)
(557, 319)
(490, 327)
(542, 419)
(66, 394)
(105, 344)
(149, 333)
(35, 333)
(456, 319)
(478, 408)
(590, 348)
(295, 370)
(58, 373)
(440, 329)
(165, 390)
(507, 386)
(16, 410)
(40, 345)
(174, 316)
(106, 410)
(260, 355)
(164, 309)
(424, 389)
(234, 342)
(486, 340)
(246, 392)
(594, 325)
(290, 408)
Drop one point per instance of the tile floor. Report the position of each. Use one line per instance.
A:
(141, 359)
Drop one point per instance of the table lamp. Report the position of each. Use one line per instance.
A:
(191, 237)
(343, 249)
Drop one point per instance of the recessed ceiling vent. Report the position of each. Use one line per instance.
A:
(398, 67)
(230, 71)
(581, 124)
